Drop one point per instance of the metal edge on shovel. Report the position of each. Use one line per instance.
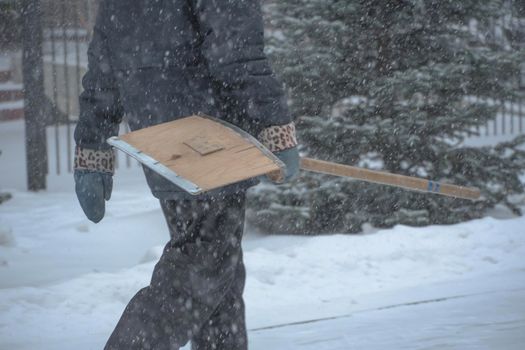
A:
(155, 165)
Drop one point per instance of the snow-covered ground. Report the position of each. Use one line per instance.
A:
(65, 281)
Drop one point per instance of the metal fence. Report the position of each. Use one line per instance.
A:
(66, 34)
(67, 30)
(508, 33)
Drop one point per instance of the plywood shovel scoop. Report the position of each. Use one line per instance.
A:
(201, 153)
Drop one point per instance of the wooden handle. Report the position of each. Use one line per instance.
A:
(379, 177)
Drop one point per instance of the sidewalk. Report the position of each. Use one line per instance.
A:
(486, 313)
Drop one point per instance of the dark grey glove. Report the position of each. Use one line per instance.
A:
(93, 188)
(290, 158)
(94, 180)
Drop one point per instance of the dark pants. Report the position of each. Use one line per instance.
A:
(196, 288)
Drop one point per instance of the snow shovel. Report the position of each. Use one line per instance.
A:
(201, 153)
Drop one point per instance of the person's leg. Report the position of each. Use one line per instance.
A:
(197, 272)
(226, 328)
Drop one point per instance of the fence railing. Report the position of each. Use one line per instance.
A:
(66, 28)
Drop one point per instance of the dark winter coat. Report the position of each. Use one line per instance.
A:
(154, 61)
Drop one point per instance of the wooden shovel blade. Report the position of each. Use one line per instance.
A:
(200, 153)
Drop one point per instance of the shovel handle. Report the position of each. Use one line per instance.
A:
(384, 178)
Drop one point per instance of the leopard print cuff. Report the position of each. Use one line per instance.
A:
(279, 137)
(90, 159)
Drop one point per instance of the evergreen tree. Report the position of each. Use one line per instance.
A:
(396, 86)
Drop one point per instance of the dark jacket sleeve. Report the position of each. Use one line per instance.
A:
(233, 47)
(100, 108)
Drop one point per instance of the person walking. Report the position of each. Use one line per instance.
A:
(154, 61)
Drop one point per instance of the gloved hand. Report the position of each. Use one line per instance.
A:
(93, 180)
(282, 141)
(93, 188)
(290, 158)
